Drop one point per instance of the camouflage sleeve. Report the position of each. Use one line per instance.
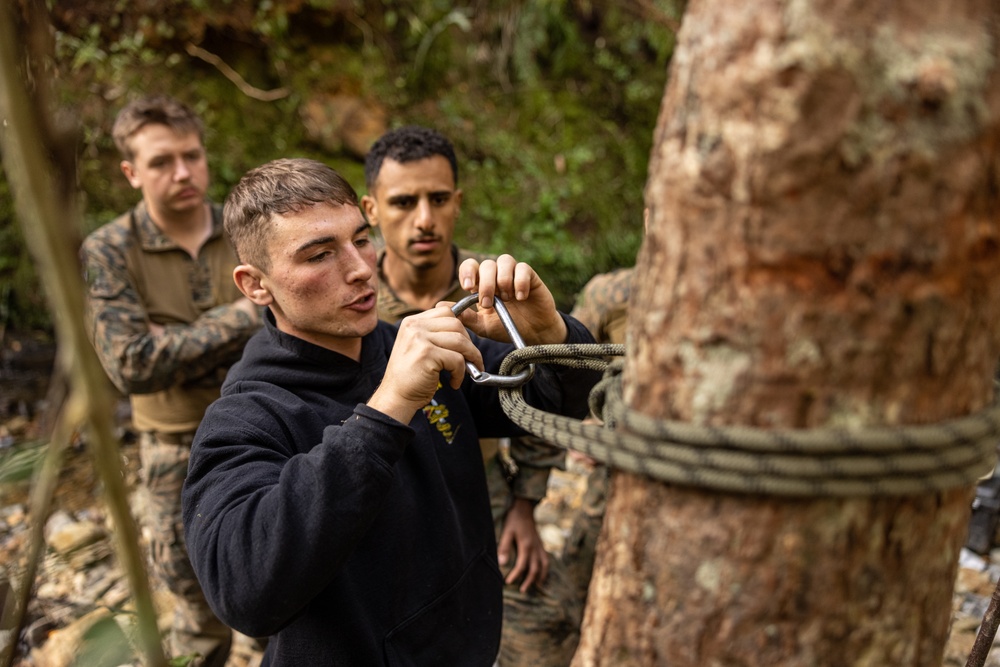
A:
(535, 459)
(139, 361)
(588, 309)
(602, 300)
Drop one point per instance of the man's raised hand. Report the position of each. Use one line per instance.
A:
(426, 344)
(527, 298)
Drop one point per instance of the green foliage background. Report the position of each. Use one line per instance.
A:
(551, 105)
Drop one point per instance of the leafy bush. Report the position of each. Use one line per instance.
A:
(551, 105)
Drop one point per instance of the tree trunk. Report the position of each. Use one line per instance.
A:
(823, 249)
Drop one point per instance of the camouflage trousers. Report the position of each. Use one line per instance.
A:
(541, 628)
(195, 629)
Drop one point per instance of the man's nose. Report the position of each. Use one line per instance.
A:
(358, 267)
(181, 171)
(424, 219)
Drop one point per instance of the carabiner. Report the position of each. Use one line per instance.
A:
(489, 379)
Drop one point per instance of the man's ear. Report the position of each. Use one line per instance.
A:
(457, 196)
(129, 170)
(249, 280)
(370, 207)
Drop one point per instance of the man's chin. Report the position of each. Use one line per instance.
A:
(183, 207)
(367, 324)
(426, 261)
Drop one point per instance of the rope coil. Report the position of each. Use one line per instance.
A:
(816, 462)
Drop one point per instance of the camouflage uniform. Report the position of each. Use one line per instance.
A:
(539, 628)
(136, 276)
(602, 307)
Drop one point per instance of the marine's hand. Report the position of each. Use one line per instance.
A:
(521, 533)
(527, 298)
(426, 344)
(580, 456)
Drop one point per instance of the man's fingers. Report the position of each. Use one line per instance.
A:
(505, 276)
(503, 549)
(520, 565)
(436, 340)
(524, 276)
(451, 350)
(543, 568)
(468, 274)
(466, 350)
(487, 283)
(538, 569)
(529, 579)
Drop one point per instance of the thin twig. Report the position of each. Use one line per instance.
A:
(47, 212)
(454, 17)
(234, 76)
(43, 491)
(645, 9)
(987, 631)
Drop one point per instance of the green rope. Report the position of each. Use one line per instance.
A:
(800, 462)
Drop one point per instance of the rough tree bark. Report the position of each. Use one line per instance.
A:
(823, 249)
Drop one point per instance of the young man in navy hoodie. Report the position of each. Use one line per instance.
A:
(336, 499)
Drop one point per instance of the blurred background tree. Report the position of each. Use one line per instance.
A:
(551, 105)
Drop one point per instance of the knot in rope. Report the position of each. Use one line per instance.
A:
(817, 462)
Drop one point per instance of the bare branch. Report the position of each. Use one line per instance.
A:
(234, 76)
(47, 211)
(647, 9)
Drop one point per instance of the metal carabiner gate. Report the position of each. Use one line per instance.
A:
(489, 379)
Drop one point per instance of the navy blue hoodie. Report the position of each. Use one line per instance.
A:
(346, 536)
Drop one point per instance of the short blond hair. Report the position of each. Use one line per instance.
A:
(276, 188)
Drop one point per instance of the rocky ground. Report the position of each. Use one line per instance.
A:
(79, 586)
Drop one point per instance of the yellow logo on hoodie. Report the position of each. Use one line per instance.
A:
(437, 415)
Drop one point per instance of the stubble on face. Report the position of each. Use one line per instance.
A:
(170, 168)
(417, 206)
(322, 276)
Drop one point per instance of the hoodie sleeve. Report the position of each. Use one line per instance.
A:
(267, 527)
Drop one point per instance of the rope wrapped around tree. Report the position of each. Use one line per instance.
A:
(820, 462)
